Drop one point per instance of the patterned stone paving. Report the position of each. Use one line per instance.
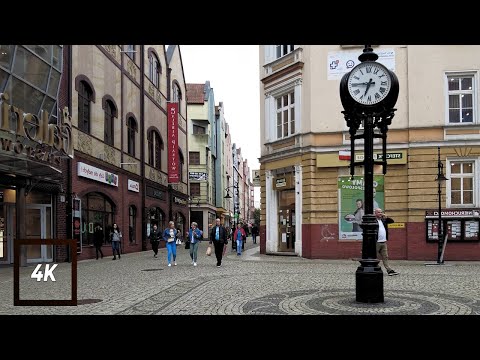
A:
(251, 284)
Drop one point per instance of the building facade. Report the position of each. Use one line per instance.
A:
(119, 115)
(309, 202)
(35, 150)
(202, 154)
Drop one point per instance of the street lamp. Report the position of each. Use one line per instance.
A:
(368, 94)
(227, 189)
(440, 178)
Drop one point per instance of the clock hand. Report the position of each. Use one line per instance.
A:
(368, 87)
(359, 84)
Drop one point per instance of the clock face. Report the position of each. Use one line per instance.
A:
(369, 83)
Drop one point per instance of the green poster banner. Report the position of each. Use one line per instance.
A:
(351, 204)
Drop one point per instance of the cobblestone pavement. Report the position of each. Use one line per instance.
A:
(247, 284)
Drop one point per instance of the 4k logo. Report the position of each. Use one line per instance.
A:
(37, 273)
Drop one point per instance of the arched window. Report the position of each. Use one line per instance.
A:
(85, 94)
(132, 224)
(181, 162)
(156, 217)
(110, 112)
(154, 73)
(97, 209)
(177, 96)
(155, 147)
(132, 129)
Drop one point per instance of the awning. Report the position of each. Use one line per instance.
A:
(29, 168)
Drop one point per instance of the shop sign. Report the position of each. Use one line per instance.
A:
(133, 186)
(94, 173)
(27, 135)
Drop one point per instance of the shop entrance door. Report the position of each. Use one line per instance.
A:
(7, 233)
(286, 229)
(39, 226)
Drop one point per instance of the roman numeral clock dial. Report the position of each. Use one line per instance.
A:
(369, 83)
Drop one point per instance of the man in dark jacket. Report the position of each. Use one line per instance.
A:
(383, 222)
(218, 235)
(155, 239)
(98, 240)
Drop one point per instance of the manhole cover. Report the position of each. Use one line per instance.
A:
(152, 269)
(88, 301)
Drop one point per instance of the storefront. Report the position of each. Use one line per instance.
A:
(284, 216)
(35, 141)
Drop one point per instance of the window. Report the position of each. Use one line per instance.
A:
(154, 74)
(195, 189)
(155, 147)
(132, 224)
(198, 130)
(285, 107)
(97, 209)
(182, 161)
(462, 183)
(109, 114)
(132, 129)
(84, 99)
(177, 96)
(461, 93)
(194, 158)
(156, 217)
(282, 50)
(130, 51)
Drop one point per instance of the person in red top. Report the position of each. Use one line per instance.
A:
(239, 236)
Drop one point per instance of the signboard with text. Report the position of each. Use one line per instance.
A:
(341, 62)
(351, 204)
(94, 173)
(172, 118)
(133, 186)
(256, 178)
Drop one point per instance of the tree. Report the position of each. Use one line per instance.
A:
(256, 216)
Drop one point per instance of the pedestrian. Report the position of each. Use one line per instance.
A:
(383, 222)
(98, 240)
(195, 235)
(170, 236)
(155, 240)
(254, 233)
(239, 236)
(218, 236)
(115, 237)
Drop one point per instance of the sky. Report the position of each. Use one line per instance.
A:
(233, 72)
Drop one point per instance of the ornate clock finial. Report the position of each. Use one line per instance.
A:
(368, 54)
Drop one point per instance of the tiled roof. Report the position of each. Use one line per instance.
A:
(195, 93)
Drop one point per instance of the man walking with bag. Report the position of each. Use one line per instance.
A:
(218, 236)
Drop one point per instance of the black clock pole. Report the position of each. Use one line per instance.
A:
(370, 114)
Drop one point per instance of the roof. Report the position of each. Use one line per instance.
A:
(195, 93)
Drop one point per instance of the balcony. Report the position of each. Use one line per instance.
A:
(289, 60)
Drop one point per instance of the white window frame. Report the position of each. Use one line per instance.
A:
(476, 178)
(271, 52)
(282, 54)
(449, 74)
(284, 107)
(293, 85)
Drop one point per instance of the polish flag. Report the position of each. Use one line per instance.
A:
(344, 155)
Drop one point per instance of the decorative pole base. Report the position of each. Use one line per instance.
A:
(369, 282)
(369, 275)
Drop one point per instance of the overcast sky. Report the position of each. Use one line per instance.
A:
(234, 76)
